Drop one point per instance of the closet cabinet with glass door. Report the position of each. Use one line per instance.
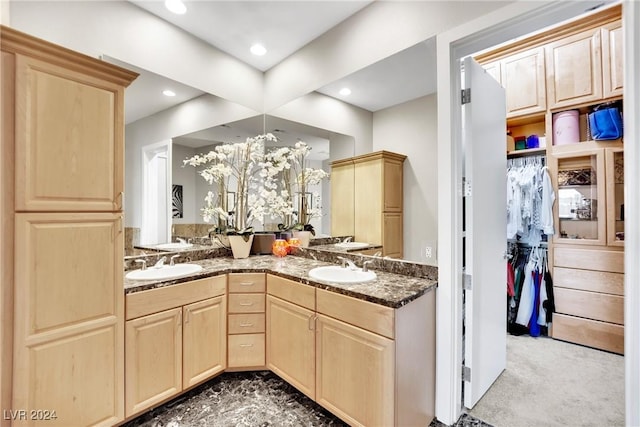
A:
(588, 256)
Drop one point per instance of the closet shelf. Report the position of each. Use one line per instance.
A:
(526, 152)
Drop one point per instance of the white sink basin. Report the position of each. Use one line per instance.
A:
(174, 246)
(352, 245)
(164, 272)
(337, 274)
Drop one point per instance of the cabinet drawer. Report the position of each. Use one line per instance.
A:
(292, 291)
(589, 259)
(246, 323)
(592, 333)
(155, 300)
(246, 282)
(246, 350)
(588, 280)
(591, 305)
(246, 303)
(372, 317)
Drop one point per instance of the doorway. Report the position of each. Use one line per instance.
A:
(505, 24)
(156, 193)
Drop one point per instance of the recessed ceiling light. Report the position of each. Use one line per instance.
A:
(176, 6)
(258, 49)
(345, 91)
(168, 92)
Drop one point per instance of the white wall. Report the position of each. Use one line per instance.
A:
(374, 33)
(411, 129)
(199, 113)
(324, 112)
(130, 34)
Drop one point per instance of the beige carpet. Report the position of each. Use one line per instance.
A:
(554, 383)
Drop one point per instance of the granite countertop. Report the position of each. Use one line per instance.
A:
(389, 289)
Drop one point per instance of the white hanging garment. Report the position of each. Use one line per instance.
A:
(548, 198)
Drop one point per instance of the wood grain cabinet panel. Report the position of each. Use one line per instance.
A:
(246, 351)
(204, 335)
(612, 59)
(69, 139)
(523, 77)
(574, 69)
(153, 359)
(590, 305)
(592, 333)
(363, 394)
(342, 198)
(291, 343)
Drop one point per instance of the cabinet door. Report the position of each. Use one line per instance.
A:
(393, 191)
(580, 206)
(614, 158)
(204, 340)
(368, 201)
(392, 232)
(68, 338)
(291, 344)
(69, 139)
(494, 69)
(153, 359)
(355, 373)
(612, 59)
(342, 202)
(574, 70)
(523, 77)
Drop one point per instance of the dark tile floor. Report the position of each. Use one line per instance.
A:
(249, 399)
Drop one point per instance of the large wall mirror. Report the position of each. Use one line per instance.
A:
(164, 197)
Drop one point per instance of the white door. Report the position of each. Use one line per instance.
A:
(484, 147)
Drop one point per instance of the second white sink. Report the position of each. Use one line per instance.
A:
(164, 272)
(337, 274)
(174, 246)
(351, 245)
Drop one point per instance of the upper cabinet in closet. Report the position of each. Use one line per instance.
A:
(522, 75)
(612, 64)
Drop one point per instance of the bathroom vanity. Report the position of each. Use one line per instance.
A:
(364, 351)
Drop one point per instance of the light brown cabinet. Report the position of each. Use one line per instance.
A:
(367, 363)
(574, 69)
(153, 359)
(523, 77)
(612, 59)
(360, 393)
(246, 340)
(342, 200)
(62, 165)
(175, 338)
(376, 195)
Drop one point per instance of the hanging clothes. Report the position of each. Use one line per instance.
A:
(530, 198)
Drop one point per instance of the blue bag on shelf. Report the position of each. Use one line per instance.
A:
(606, 123)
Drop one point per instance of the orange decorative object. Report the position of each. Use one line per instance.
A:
(280, 248)
(294, 242)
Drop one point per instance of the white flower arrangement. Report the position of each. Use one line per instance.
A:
(285, 170)
(241, 163)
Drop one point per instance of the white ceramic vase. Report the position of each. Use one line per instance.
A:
(304, 236)
(239, 247)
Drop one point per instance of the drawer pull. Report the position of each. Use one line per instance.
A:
(247, 283)
(246, 345)
(246, 304)
(246, 325)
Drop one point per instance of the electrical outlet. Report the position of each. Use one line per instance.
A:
(428, 252)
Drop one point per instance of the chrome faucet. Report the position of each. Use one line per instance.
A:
(160, 262)
(377, 254)
(173, 259)
(365, 265)
(181, 240)
(347, 261)
(347, 239)
(143, 262)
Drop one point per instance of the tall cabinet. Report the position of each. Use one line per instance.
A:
(376, 196)
(581, 64)
(62, 247)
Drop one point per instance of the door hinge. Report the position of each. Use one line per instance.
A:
(467, 282)
(465, 96)
(466, 373)
(466, 187)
